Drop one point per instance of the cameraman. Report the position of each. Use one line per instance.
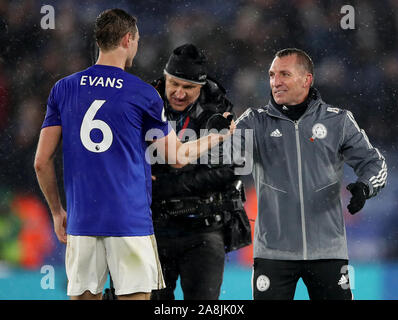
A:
(192, 207)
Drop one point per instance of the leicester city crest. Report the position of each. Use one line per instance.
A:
(319, 131)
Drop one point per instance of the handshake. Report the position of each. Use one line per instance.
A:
(219, 122)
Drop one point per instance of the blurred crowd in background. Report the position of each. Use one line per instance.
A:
(354, 69)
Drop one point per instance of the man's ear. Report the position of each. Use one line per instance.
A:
(308, 80)
(124, 42)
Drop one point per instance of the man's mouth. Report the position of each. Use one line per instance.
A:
(177, 101)
(279, 92)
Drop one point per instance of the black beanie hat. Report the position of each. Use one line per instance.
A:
(187, 63)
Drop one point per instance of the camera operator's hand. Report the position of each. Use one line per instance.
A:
(360, 192)
(219, 122)
(232, 125)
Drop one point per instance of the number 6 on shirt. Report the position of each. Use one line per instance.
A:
(89, 124)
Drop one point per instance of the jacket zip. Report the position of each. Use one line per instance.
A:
(300, 176)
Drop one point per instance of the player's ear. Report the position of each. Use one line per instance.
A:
(124, 42)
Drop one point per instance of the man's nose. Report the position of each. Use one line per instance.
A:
(180, 93)
(276, 81)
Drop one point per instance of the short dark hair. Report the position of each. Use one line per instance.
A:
(302, 57)
(111, 26)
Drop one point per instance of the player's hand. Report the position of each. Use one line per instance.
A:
(360, 193)
(59, 219)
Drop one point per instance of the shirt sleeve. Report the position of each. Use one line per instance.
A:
(53, 115)
(368, 163)
(155, 117)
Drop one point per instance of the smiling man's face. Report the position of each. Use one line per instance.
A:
(289, 81)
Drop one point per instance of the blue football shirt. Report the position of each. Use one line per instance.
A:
(105, 113)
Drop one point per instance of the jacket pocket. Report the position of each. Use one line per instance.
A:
(278, 220)
(326, 186)
(324, 209)
(324, 198)
(273, 188)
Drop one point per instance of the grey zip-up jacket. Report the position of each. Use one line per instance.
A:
(298, 170)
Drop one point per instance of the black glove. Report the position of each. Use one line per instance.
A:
(218, 121)
(360, 192)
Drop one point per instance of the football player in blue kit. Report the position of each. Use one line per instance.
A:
(103, 115)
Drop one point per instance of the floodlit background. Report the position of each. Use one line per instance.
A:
(354, 69)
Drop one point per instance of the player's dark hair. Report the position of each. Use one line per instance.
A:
(302, 57)
(111, 26)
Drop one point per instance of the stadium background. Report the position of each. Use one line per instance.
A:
(354, 69)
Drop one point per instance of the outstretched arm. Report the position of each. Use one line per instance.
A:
(179, 154)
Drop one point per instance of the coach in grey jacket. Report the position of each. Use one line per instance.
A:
(300, 144)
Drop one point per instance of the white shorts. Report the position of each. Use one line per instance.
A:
(133, 263)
